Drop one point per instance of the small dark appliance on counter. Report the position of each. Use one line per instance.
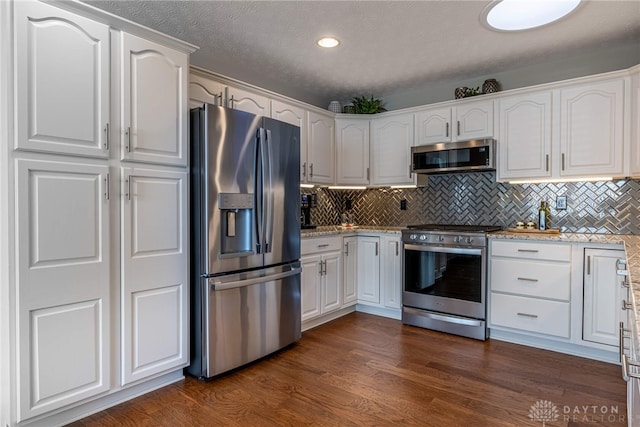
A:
(307, 201)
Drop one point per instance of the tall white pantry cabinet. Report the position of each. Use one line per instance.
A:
(93, 211)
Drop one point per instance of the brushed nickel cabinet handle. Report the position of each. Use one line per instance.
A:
(311, 171)
(397, 252)
(562, 161)
(547, 167)
(533, 251)
(376, 248)
(458, 127)
(447, 130)
(107, 187)
(107, 142)
(127, 133)
(304, 170)
(346, 249)
(589, 265)
(532, 316)
(220, 99)
(526, 279)
(231, 101)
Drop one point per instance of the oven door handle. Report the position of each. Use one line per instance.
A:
(445, 249)
(443, 318)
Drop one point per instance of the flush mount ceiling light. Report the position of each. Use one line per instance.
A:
(328, 42)
(518, 15)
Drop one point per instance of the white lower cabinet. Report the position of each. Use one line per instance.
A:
(391, 271)
(379, 274)
(604, 292)
(154, 272)
(562, 296)
(63, 286)
(321, 284)
(350, 266)
(531, 287)
(368, 269)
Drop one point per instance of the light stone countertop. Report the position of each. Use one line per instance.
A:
(328, 230)
(631, 246)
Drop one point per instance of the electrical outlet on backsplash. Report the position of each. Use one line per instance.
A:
(476, 198)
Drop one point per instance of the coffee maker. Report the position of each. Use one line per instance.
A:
(307, 201)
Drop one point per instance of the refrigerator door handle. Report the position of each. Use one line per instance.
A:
(268, 221)
(260, 201)
(221, 286)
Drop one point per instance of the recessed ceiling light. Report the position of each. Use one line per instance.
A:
(517, 15)
(328, 42)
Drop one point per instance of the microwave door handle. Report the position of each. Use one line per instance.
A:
(268, 182)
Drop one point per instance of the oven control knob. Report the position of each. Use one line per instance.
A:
(457, 239)
(469, 239)
(423, 237)
(440, 238)
(413, 237)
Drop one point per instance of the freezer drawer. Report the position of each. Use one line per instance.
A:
(250, 317)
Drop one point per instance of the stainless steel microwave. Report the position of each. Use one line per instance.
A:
(463, 156)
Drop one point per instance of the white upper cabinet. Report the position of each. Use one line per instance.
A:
(592, 129)
(391, 142)
(240, 99)
(433, 126)
(352, 152)
(635, 123)
(467, 120)
(154, 272)
(203, 90)
(318, 168)
(524, 143)
(62, 81)
(64, 284)
(296, 116)
(473, 120)
(154, 102)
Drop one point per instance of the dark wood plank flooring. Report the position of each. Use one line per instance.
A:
(363, 370)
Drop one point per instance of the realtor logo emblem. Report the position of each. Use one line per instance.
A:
(544, 411)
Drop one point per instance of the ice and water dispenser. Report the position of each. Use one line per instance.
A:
(236, 214)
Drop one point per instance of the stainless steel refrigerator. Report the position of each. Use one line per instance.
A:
(245, 237)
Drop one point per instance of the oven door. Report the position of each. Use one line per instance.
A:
(449, 280)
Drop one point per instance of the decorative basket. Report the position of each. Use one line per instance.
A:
(490, 86)
(335, 107)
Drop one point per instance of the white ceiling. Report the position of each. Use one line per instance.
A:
(387, 46)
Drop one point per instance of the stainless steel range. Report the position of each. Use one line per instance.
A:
(445, 278)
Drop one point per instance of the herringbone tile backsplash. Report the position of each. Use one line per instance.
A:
(476, 198)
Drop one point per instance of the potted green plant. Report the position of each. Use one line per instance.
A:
(364, 105)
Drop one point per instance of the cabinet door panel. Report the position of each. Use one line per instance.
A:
(154, 102)
(321, 150)
(591, 129)
(332, 295)
(603, 295)
(433, 126)
(310, 287)
(391, 272)
(250, 102)
(62, 91)
(525, 136)
(203, 90)
(391, 142)
(63, 284)
(352, 147)
(350, 273)
(368, 269)
(155, 265)
(474, 120)
(297, 117)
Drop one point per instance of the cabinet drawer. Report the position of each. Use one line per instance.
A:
(312, 245)
(530, 314)
(531, 278)
(531, 250)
